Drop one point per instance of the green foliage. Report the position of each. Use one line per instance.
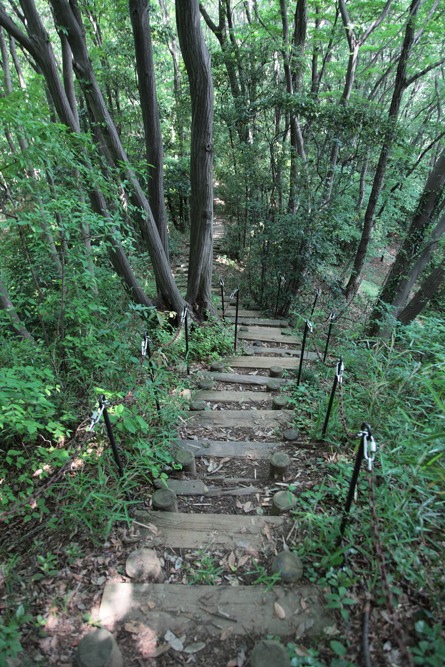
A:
(261, 576)
(204, 570)
(30, 404)
(10, 634)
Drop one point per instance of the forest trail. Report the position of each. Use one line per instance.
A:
(227, 514)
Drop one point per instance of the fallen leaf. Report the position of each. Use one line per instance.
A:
(243, 560)
(266, 531)
(174, 641)
(232, 561)
(279, 611)
(194, 648)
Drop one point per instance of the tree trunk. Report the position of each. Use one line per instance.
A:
(293, 77)
(395, 289)
(15, 322)
(39, 47)
(406, 268)
(197, 62)
(68, 17)
(428, 289)
(140, 21)
(399, 86)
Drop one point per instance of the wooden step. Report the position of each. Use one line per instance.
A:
(232, 396)
(280, 351)
(230, 312)
(201, 610)
(257, 361)
(235, 449)
(253, 380)
(193, 531)
(241, 418)
(257, 321)
(268, 335)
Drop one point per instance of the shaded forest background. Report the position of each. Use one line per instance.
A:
(315, 130)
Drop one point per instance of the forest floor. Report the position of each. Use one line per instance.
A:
(64, 588)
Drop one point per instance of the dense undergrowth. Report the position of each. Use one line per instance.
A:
(396, 385)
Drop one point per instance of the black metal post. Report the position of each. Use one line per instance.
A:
(236, 319)
(221, 284)
(307, 327)
(186, 325)
(338, 375)
(332, 317)
(317, 294)
(151, 370)
(365, 434)
(117, 458)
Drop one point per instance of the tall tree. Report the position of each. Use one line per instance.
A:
(197, 62)
(36, 42)
(401, 83)
(140, 21)
(15, 322)
(411, 257)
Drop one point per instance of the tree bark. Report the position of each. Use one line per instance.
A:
(68, 17)
(15, 322)
(394, 291)
(427, 291)
(140, 21)
(197, 62)
(38, 45)
(293, 78)
(406, 268)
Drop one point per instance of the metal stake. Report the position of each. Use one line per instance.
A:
(365, 434)
(186, 325)
(221, 284)
(117, 458)
(146, 350)
(337, 379)
(236, 293)
(332, 317)
(307, 327)
(317, 294)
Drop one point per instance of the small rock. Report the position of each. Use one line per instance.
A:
(206, 383)
(288, 566)
(273, 385)
(275, 371)
(283, 501)
(280, 403)
(165, 500)
(144, 564)
(217, 366)
(291, 434)
(98, 649)
(198, 406)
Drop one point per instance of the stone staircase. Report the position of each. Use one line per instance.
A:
(174, 609)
